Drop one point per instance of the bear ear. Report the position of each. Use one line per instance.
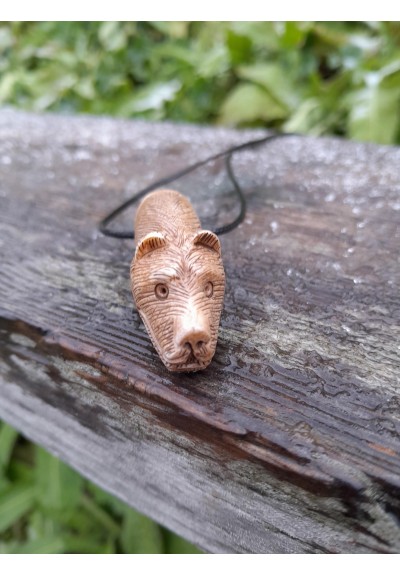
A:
(150, 242)
(208, 239)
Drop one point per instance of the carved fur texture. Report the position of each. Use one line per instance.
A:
(177, 281)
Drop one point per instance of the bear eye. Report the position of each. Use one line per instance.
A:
(209, 289)
(161, 291)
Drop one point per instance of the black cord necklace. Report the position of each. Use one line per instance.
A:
(228, 154)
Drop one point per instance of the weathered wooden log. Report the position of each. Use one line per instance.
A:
(289, 440)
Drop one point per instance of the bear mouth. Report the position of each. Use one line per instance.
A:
(176, 361)
(186, 367)
(191, 363)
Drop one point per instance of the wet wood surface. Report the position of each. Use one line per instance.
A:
(289, 441)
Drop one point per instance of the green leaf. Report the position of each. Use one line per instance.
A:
(85, 89)
(239, 46)
(6, 38)
(106, 500)
(59, 486)
(4, 485)
(8, 82)
(100, 515)
(140, 534)
(247, 103)
(112, 36)
(177, 545)
(293, 33)
(306, 118)
(275, 80)
(213, 63)
(19, 470)
(42, 546)
(15, 503)
(8, 438)
(86, 543)
(263, 35)
(152, 97)
(332, 33)
(375, 109)
(173, 29)
(390, 74)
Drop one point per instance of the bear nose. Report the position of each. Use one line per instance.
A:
(196, 338)
(192, 331)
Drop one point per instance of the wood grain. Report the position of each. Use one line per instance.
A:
(289, 440)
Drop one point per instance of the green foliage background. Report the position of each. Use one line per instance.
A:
(46, 507)
(315, 77)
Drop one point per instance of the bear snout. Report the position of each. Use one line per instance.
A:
(193, 333)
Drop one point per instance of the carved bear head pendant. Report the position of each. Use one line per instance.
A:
(177, 281)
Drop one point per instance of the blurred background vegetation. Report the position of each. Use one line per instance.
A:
(47, 507)
(316, 77)
(319, 78)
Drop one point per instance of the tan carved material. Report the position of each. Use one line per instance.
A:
(177, 280)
